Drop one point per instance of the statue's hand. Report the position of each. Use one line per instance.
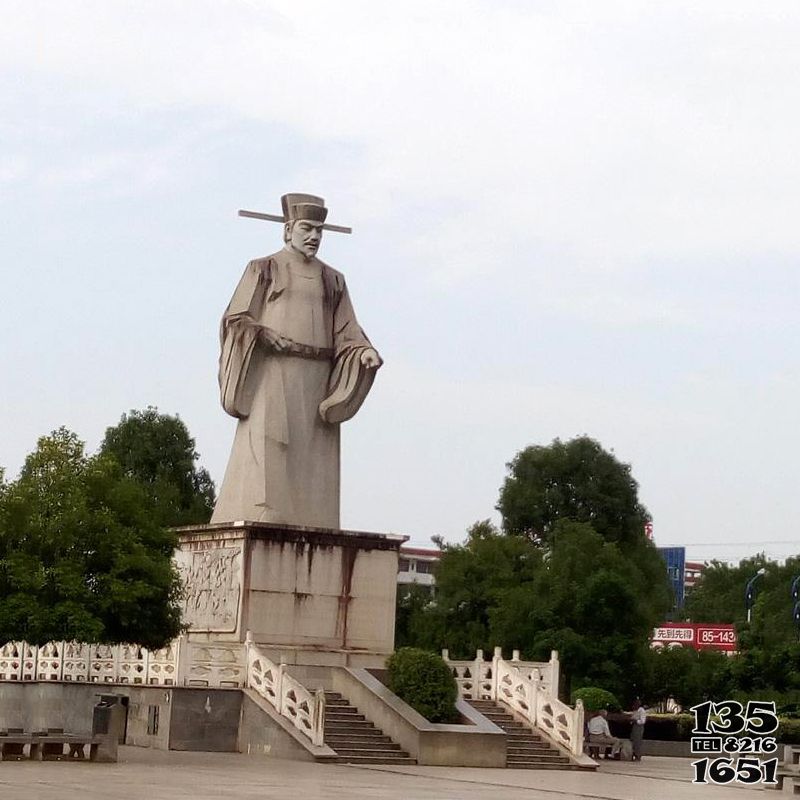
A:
(274, 340)
(370, 358)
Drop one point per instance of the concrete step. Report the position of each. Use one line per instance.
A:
(389, 750)
(355, 739)
(527, 741)
(376, 760)
(357, 736)
(543, 758)
(356, 725)
(531, 750)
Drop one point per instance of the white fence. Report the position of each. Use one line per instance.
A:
(291, 699)
(180, 663)
(529, 688)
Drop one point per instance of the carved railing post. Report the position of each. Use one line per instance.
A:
(496, 659)
(279, 688)
(318, 721)
(554, 673)
(477, 676)
(182, 658)
(578, 734)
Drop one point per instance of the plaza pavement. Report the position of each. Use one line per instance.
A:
(157, 775)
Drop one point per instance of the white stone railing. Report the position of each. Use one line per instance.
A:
(306, 711)
(529, 688)
(476, 679)
(180, 663)
(562, 722)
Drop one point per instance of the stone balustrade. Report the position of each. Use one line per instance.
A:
(529, 688)
(306, 711)
(180, 663)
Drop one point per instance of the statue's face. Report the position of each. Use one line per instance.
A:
(305, 237)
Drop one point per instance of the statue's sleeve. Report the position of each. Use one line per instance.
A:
(238, 339)
(350, 380)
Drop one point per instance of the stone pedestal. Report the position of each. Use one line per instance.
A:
(307, 595)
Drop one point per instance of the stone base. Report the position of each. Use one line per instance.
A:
(305, 595)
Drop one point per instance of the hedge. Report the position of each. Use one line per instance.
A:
(425, 682)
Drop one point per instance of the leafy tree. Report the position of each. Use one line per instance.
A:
(472, 580)
(583, 598)
(588, 601)
(417, 623)
(576, 480)
(719, 597)
(157, 450)
(81, 555)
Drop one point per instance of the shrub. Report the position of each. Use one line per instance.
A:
(788, 731)
(425, 682)
(595, 699)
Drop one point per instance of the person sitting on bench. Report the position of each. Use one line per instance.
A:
(600, 734)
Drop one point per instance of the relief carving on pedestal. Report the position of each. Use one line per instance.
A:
(212, 581)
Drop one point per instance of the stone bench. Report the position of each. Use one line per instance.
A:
(53, 746)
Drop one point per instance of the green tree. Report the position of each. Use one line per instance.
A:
(81, 555)
(583, 598)
(576, 480)
(417, 623)
(719, 597)
(588, 601)
(472, 580)
(158, 451)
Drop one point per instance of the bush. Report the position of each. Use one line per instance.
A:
(788, 730)
(596, 699)
(425, 682)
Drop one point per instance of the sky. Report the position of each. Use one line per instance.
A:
(569, 218)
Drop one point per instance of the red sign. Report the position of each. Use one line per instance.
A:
(699, 635)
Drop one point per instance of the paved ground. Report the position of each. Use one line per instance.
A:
(156, 775)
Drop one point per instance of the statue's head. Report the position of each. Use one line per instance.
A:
(305, 215)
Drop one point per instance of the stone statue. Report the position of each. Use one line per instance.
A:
(294, 364)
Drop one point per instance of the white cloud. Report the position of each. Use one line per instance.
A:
(626, 130)
(534, 167)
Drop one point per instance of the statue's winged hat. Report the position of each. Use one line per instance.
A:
(297, 205)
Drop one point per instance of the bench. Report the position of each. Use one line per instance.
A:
(52, 746)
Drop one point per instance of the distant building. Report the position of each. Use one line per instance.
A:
(675, 559)
(416, 566)
(692, 574)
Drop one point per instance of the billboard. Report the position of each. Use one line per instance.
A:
(699, 635)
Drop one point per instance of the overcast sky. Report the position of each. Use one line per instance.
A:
(569, 217)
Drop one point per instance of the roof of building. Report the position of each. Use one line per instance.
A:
(420, 551)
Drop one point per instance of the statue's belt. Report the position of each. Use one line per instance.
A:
(307, 351)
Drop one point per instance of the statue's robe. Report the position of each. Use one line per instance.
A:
(284, 465)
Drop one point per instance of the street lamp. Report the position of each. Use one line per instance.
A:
(750, 592)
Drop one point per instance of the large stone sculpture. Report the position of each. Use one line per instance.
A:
(294, 364)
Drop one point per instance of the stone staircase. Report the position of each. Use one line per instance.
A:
(526, 749)
(355, 739)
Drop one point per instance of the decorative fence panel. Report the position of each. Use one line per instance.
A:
(180, 663)
(529, 688)
(291, 699)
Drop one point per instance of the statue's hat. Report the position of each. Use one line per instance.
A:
(297, 205)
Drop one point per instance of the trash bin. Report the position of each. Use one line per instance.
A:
(110, 716)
